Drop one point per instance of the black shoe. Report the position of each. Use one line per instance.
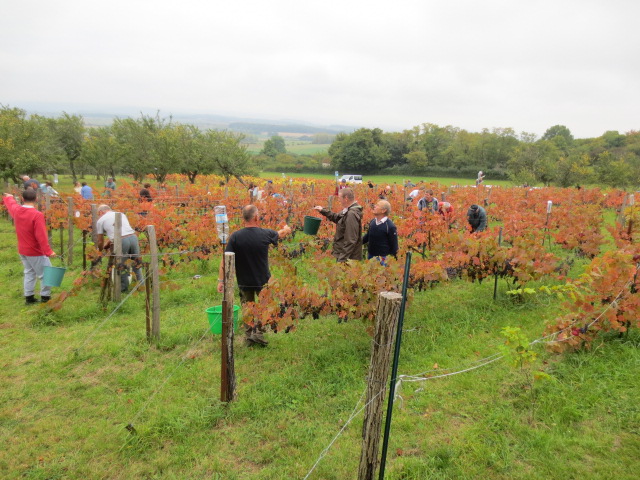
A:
(30, 299)
(44, 299)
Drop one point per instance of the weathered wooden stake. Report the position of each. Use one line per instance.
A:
(495, 284)
(61, 242)
(47, 207)
(388, 311)
(94, 221)
(84, 249)
(70, 215)
(227, 366)
(147, 302)
(330, 202)
(117, 251)
(155, 283)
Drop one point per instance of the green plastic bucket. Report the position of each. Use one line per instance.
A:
(53, 276)
(215, 318)
(311, 225)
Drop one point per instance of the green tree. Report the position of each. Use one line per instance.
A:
(362, 151)
(558, 131)
(228, 155)
(437, 141)
(194, 151)
(534, 162)
(613, 172)
(418, 160)
(149, 146)
(27, 145)
(274, 146)
(101, 152)
(69, 131)
(574, 170)
(613, 139)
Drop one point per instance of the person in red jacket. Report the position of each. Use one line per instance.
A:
(33, 243)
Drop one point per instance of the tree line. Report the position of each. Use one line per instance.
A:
(151, 145)
(612, 159)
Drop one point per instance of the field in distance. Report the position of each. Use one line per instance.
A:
(390, 179)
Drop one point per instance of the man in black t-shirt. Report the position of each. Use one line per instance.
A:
(251, 247)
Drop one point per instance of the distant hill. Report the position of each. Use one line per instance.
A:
(97, 117)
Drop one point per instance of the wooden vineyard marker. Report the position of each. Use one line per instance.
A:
(227, 366)
(381, 349)
(117, 251)
(70, 215)
(155, 283)
(94, 221)
(495, 284)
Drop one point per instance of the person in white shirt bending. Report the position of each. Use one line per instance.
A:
(130, 246)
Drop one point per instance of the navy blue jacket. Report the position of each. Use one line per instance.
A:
(382, 239)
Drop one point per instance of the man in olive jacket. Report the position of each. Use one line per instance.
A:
(347, 242)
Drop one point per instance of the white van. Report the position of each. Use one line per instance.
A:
(351, 178)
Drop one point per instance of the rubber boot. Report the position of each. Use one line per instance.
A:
(30, 300)
(44, 299)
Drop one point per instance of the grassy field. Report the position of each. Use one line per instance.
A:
(299, 148)
(389, 179)
(74, 379)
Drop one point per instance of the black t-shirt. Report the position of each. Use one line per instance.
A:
(251, 246)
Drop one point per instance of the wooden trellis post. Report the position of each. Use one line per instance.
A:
(147, 302)
(84, 249)
(94, 221)
(70, 215)
(495, 283)
(381, 348)
(62, 257)
(155, 283)
(47, 207)
(117, 252)
(227, 368)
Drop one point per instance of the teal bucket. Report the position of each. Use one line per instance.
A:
(215, 318)
(311, 225)
(53, 276)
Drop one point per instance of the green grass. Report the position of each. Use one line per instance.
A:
(386, 179)
(294, 147)
(73, 379)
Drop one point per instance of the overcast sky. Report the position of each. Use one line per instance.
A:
(374, 63)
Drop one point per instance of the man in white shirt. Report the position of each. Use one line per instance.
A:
(130, 246)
